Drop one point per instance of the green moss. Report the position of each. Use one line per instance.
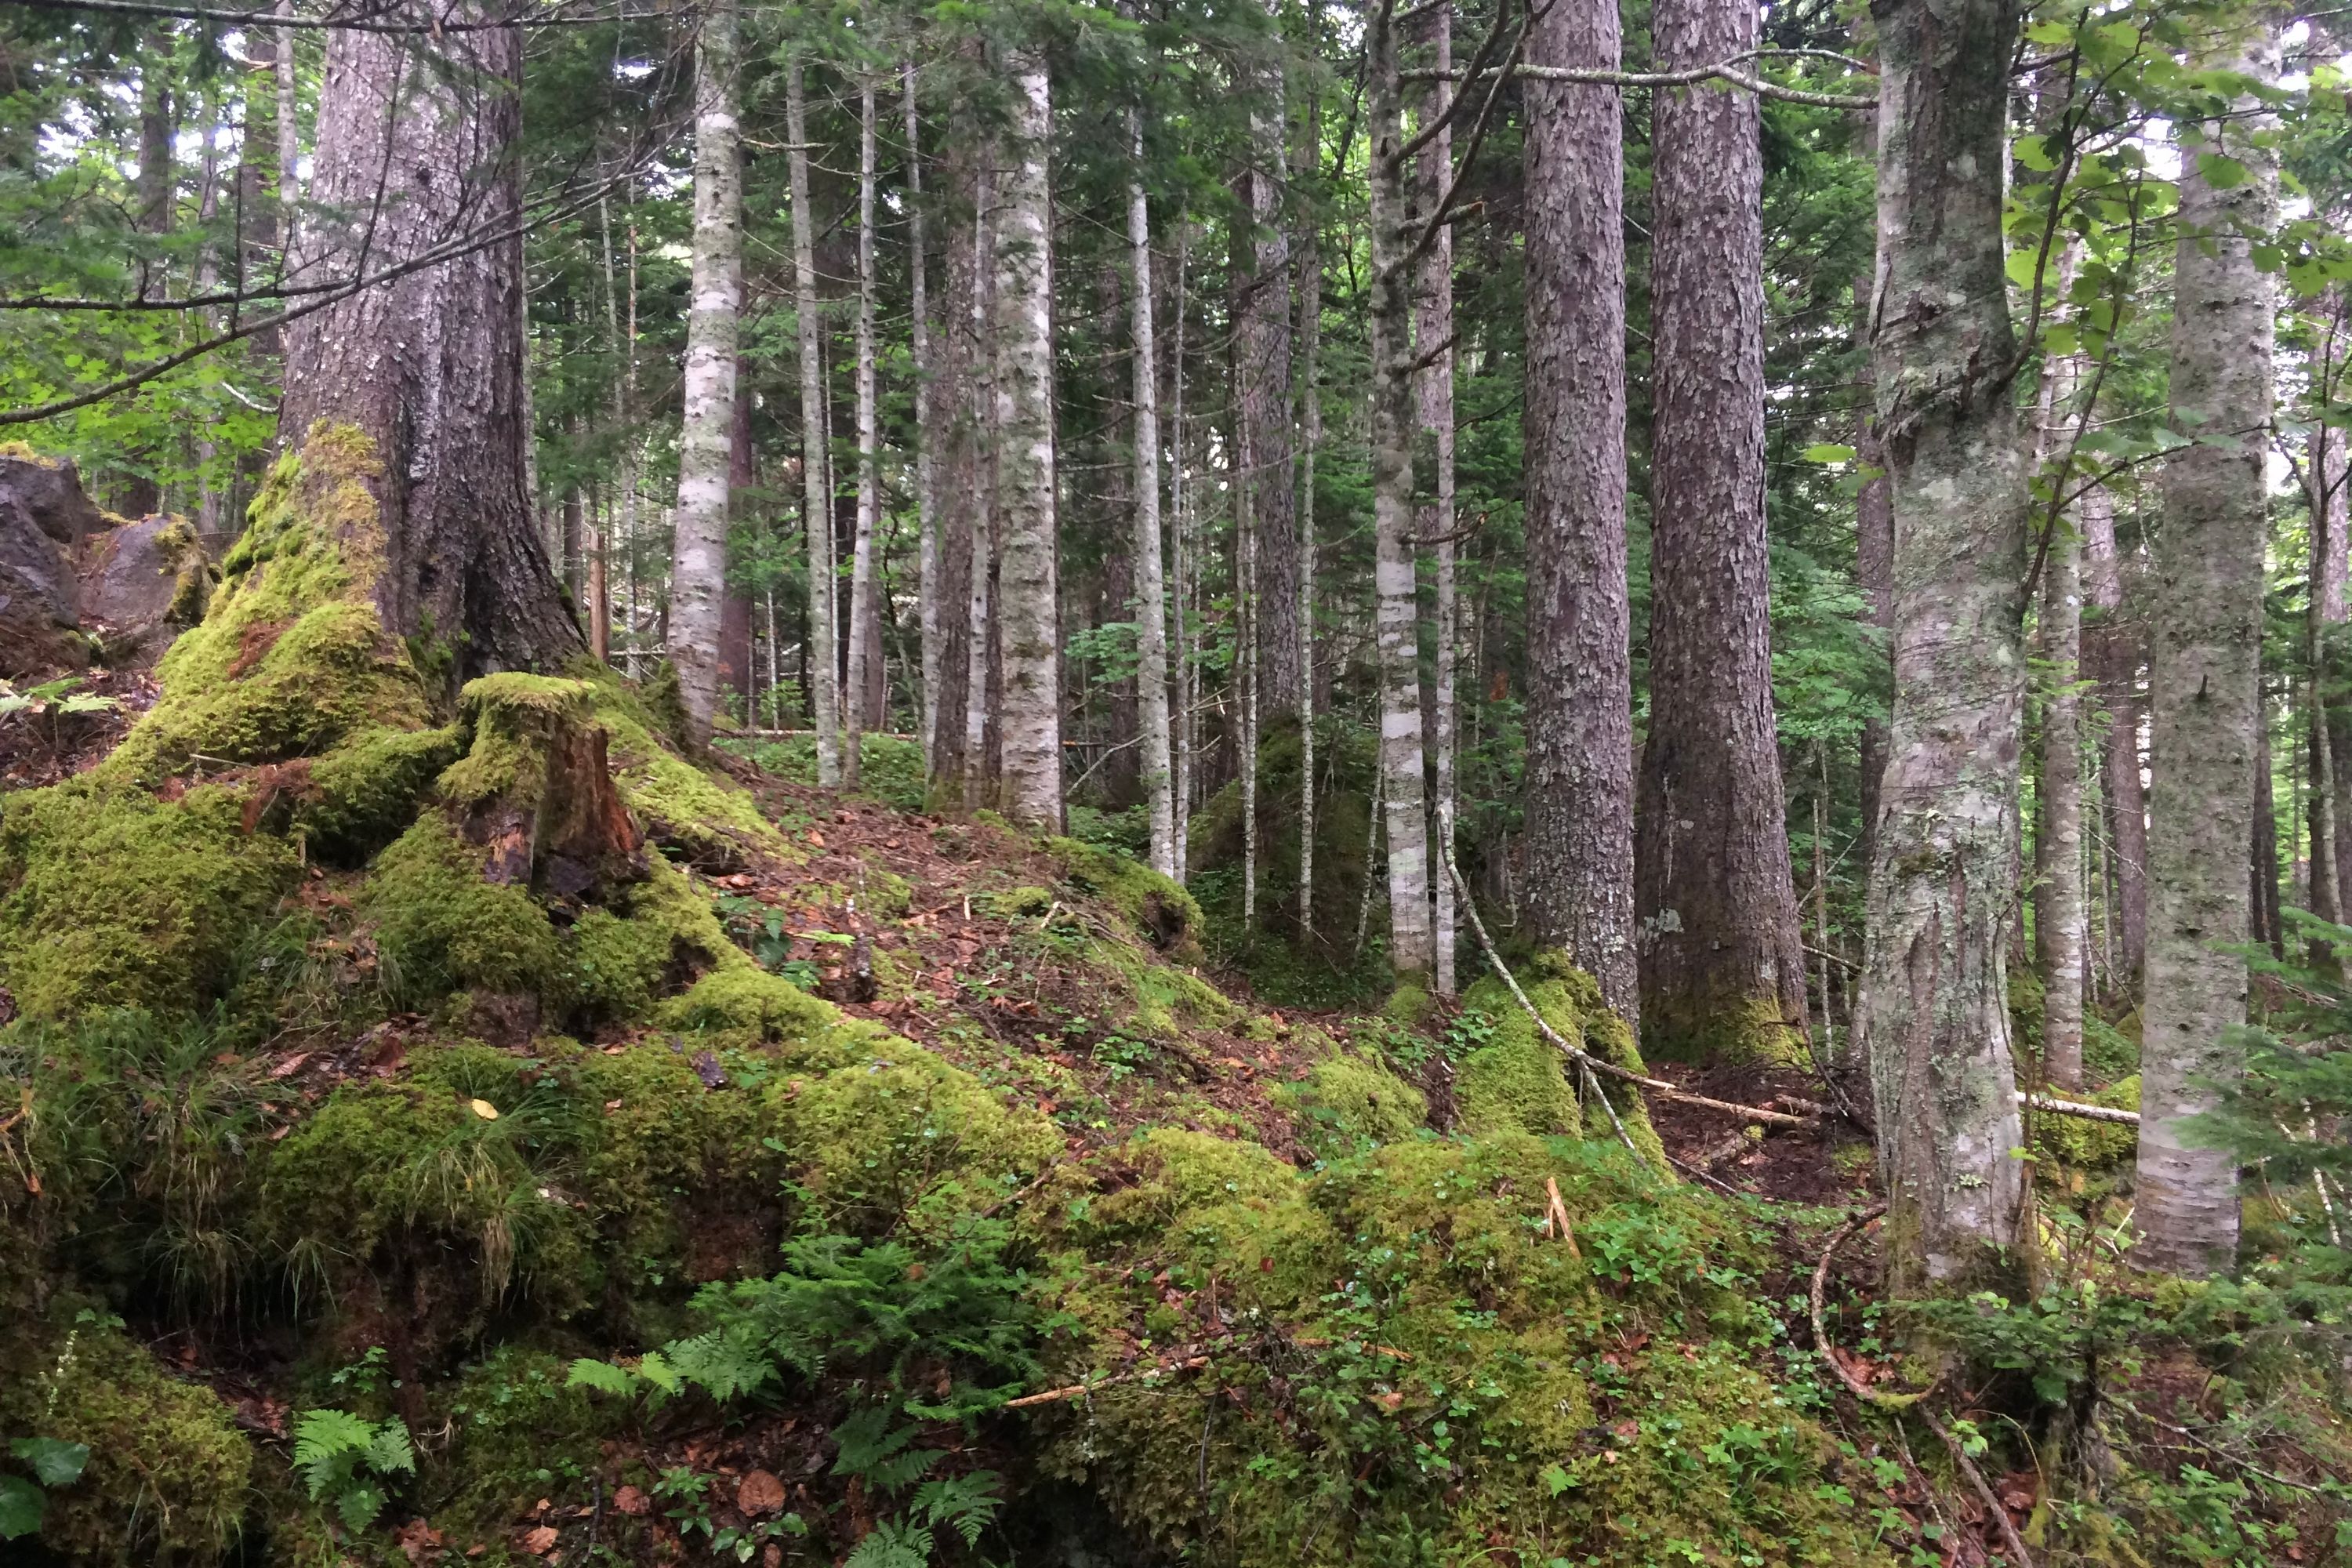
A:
(440, 928)
(1409, 1003)
(1165, 1000)
(514, 1416)
(1014, 903)
(1518, 1080)
(2083, 1145)
(618, 966)
(115, 898)
(513, 717)
(291, 657)
(1349, 1104)
(364, 791)
(903, 1138)
(167, 1474)
(1723, 1029)
(1157, 908)
(710, 818)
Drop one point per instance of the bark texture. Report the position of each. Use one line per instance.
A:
(1432, 335)
(697, 591)
(1396, 614)
(816, 479)
(1580, 808)
(430, 367)
(1150, 589)
(2061, 924)
(1031, 713)
(929, 608)
(1933, 1011)
(864, 706)
(1722, 969)
(1262, 391)
(2204, 684)
(2112, 645)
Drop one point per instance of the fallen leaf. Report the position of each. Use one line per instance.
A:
(291, 1066)
(632, 1503)
(1388, 1401)
(612, 1105)
(485, 1110)
(761, 1492)
(816, 838)
(417, 1538)
(539, 1543)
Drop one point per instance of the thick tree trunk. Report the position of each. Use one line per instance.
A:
(980, 635)
(2062, 927)
(1151, 590)
(1722, 967)
(705, 452)
(430, 367)
(1874, 519)
(1180, 560)
(1432, 333)
(862, 709)
(1262, 349)
(1030, 713)
(2204, 678)
(1580, 790)
(816, 478)
(1933, 1006)
(1397, 615)
(1308, 255)
(2112, 655)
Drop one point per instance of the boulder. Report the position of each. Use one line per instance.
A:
(43, 513)
(141, 584)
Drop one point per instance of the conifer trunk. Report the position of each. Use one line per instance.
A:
(929, 561)
(1309, 257)
(980, 629)
(2204, 683)
(1722, 968)
(816, 483)
(2112, 654)
(1933, 1006)
(706, 443)
(1262, 375)
(1030, 716)
(1580, 789)
(1397, 615)
(430, 366)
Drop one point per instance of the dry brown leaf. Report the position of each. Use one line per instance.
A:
(539, 1543)
(761, 1492)
(632, 1503)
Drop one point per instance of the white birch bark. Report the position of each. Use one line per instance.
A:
(289, 134)
(1031, 716)
(2204, 679)
(1411, 947)
(1434, 327)
(980, 607)
(1179, 499)
(699, 523)
(816, 490)
(862, 606)
(1150, 594)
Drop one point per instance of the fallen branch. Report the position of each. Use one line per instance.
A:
(1897, 1404)
(2077, 1108)
(1080, 1390)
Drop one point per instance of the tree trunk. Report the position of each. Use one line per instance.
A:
(1722, 968)
(2262, 852)
(1433, 331)
(1874, 519)
(1308, 255)
(1180, 558)
(2063, 929)
(2112, 654)
(933, 618)
(2204, 678)
(1262, 391)
(816, 480)
(430, 367)
(980, 627)
(861, 711)
(1411, 953)
(1031, 715)
(1151, 591)
(706, 450)
(953, 433)
(738, 669)
(1580, 788)
(1934, 1008)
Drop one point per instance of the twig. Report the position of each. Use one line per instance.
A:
(1080, 1390)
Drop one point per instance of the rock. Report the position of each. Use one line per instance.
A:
(141, 584)
(46, 494)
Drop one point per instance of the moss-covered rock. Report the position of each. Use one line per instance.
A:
(116, 898)
(167, 1473)
(1518, 1081)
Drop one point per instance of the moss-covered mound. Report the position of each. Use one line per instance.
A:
(1514, 1081)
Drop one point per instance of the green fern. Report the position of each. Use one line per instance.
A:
(966, 1502)
(350, 1462)
(873, 1450)
(893, 1543)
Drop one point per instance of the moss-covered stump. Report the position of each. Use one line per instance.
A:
(1518, 1080)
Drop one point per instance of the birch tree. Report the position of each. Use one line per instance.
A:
(1434, 338)
(1030, 712)
(706, 442)
(929, 562)
(2205, 662)
(1933, 1010)
(1150, 594)
(865, 639)
(816, 485)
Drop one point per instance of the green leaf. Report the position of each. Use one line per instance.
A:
(1555, 1480)
(21, 1506)
(1829, 452)
(600, 1375)
(360, 1504)
(56, 1463)
(2034, 151)
(2220, 173)
(389, 1449)
(658, 1370)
